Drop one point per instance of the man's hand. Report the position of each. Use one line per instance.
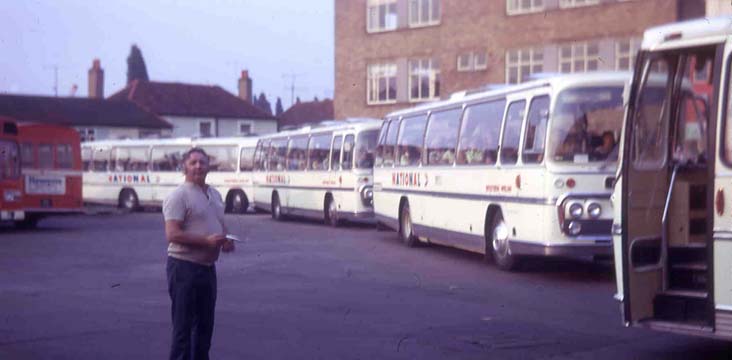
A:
(228, 246)
(216, 240)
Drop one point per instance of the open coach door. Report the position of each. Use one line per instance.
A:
(668, 184)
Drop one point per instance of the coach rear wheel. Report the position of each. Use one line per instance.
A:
(128, 200)
(238, 202)
(406, 233)
(499, 244)
(276, 208)
(331, 212)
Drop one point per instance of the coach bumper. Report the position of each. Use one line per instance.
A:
(600, 245)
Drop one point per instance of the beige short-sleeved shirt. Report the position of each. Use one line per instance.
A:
(200, 214)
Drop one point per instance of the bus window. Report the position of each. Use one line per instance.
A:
(86, 158)
(536, 130)
(365, 148)
(297, 154)
(335, 155)
(167, 158)
(480, 133)
(246, 159)
(318, 151)
(45, 156)
(278, 155)
(379, 153)
(391, 141)
(441, 138)
(64, 156)
(260, 155)
(130, 159)
(691, 135)
(26, 155)
(100, 160)
(585, 124)
(348, 145)
(411, 139)
(9, 160)
(512, 132)
(221, 158)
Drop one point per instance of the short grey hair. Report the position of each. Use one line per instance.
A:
(187, 154)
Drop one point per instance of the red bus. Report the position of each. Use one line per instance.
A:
(11, 206)
(51, 167)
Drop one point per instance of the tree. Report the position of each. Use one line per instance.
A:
(263, 103)
(278, 107)
(136, 69)
(315, 99)
(297, 100)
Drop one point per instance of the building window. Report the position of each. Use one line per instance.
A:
(424, 79)
(204, 129)
(579, 57)
(381, 84)
(472, 61)
(86, 134)
(381, 15)
(625, 51)
(245, 129)
(424, 12)
(577, 3)
(516, 7)
(521, 63)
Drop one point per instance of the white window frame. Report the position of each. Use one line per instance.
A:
(633, 47)
(390, 22)
(426, 67)
(579, 52)
(469, 66)
(245, 122)
(514, 7)
(423, 20)
(477, 66)
(568, 4)
(375, 72)
(201, 122)
(87, 133)
(526, 57)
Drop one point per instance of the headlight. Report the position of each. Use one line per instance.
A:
(367, 196)
(575, 228)
(575, 210)
(594, 210)
(11, 195)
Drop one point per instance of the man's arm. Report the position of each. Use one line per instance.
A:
(175, 234)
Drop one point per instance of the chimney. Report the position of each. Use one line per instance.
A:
(96, 80)
(245, 86)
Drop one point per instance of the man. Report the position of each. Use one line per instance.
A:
(194, 227)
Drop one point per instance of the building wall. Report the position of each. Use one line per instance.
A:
(477, 26)
(190, 126)
(718, 8)
(113, 133)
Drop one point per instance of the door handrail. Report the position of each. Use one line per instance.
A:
(664, 227)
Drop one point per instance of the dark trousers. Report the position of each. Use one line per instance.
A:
(192, 289)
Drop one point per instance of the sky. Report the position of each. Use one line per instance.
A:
(199, 42)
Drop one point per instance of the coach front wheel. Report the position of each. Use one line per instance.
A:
(331, 212)
(128, 200)
(276, 208)
(499, 244)
(406, 232)
(238, 203)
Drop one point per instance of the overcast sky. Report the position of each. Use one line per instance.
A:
(199, 42)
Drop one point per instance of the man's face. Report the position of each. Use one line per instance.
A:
(196, 168)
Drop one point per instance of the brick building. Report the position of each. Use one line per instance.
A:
(392, 54)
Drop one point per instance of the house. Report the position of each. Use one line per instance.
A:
(200, 110)
(302, 113)
(95, 119)
(392, 54)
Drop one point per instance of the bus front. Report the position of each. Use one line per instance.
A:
(582, 155)
(363, 168)
(11, 209)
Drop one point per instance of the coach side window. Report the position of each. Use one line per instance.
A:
(379, 152)
(260, 156)
(411, 140)
(297, 154)
(391, 141)
(246, 159)
(348, 145)
(536, 130)
(86, 158)
(221, 158)
(319, 151)
(277, 155)
(335, 154)
(167, 158)
(480, 132)
(441, 138)
(512, 132)
(100, 160)
(130, 159)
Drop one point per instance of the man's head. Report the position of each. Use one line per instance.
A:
(195, 166)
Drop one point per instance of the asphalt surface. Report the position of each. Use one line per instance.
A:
(93, 287)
